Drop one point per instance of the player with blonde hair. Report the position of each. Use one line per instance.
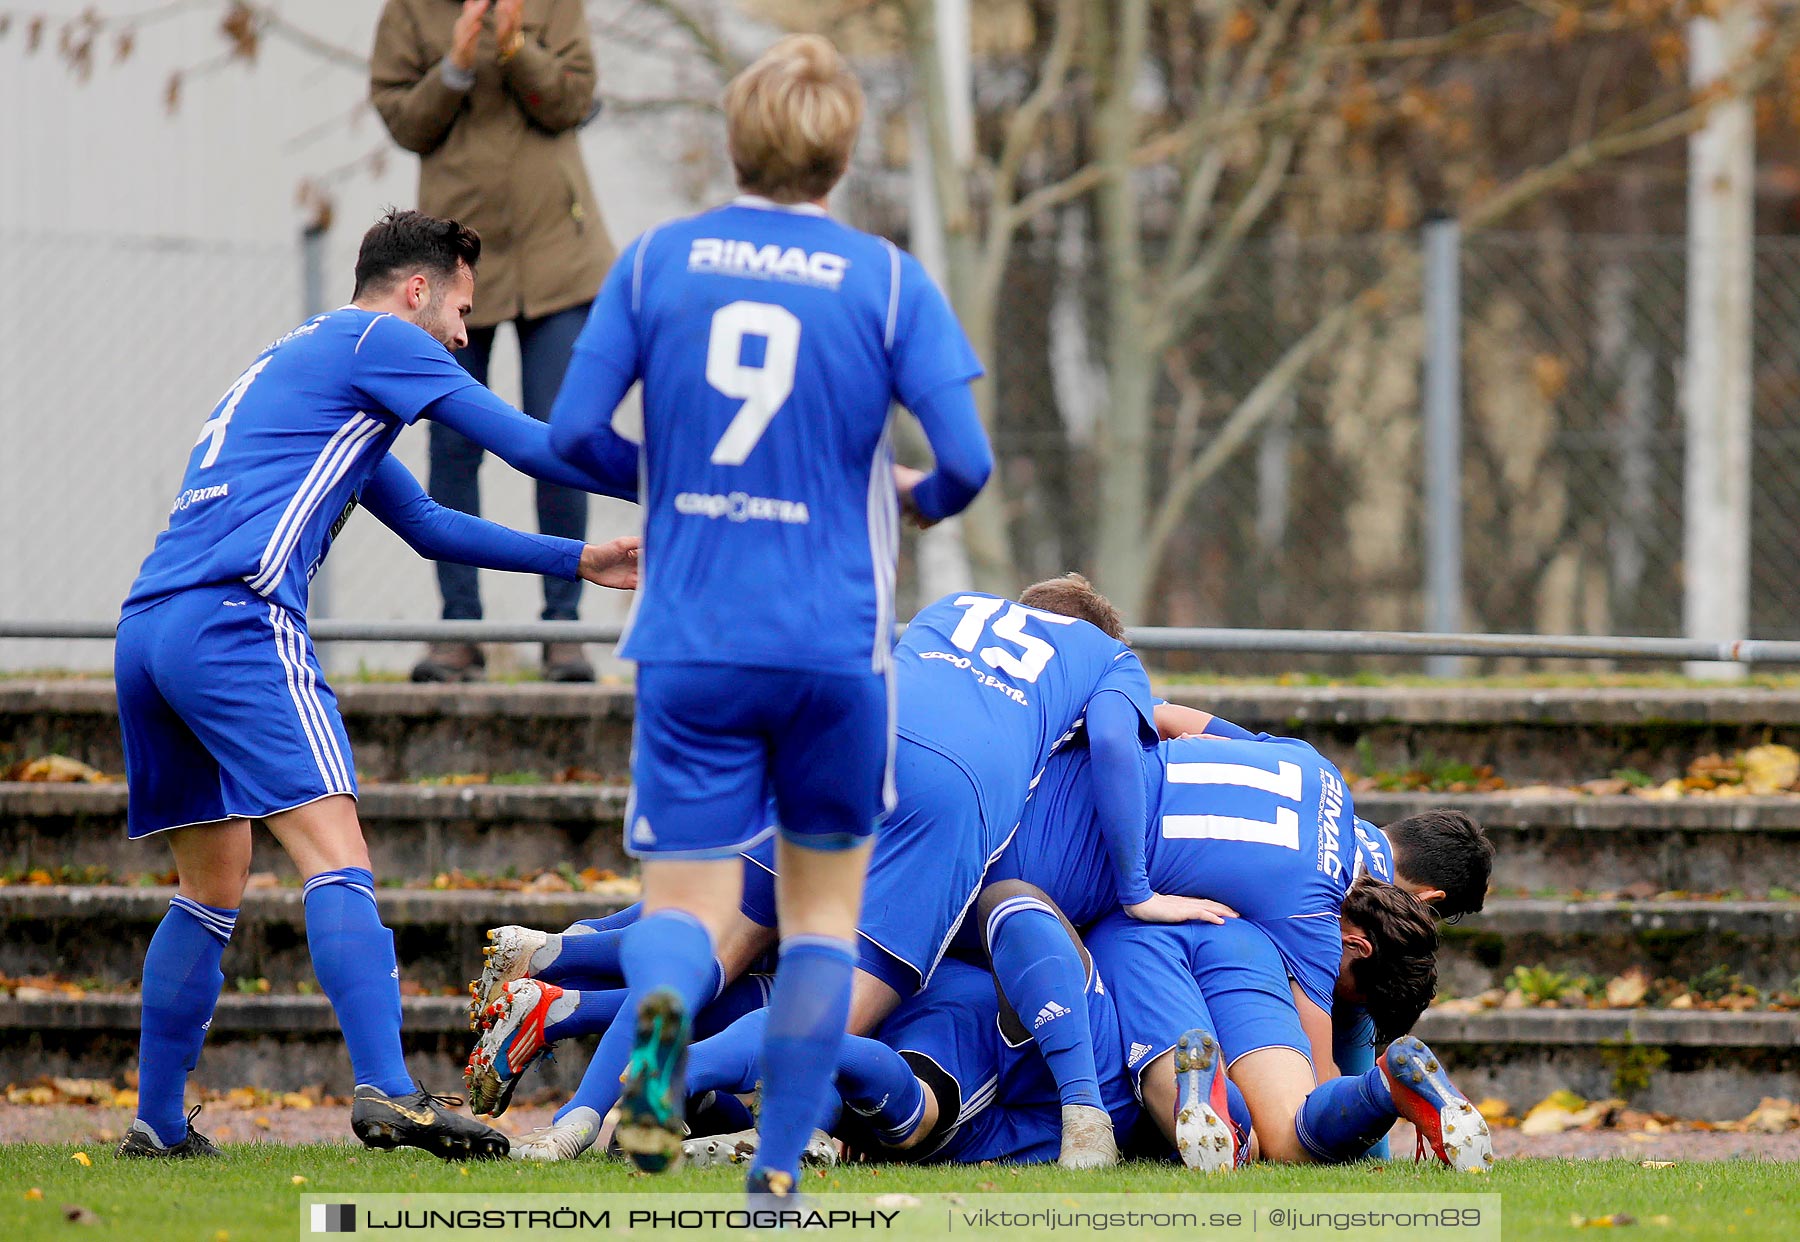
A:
(771, 342)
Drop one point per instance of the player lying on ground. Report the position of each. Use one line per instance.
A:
(772, 343)
(987, 690)
(1261, 824)
(953, 1074)
(225, 713)
(1235, 977)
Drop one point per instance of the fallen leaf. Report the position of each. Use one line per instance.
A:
(1494, 1110)
(1628, 990)
(83, 1159)
(34, 1194)
(1684, 1001)
(1770, 769)
(53, 769)
(1553, 1114)
(75, 1214)
(1773, 1117)
(1656, 1164)
(298, 1180)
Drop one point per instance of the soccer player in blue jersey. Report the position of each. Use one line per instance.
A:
(771, 342)
(225, 713)
(1262, 824)
(988, 689)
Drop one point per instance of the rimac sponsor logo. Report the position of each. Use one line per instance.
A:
(1331, 815)
(739, 507)
(1370, 856)
(987, 679)
(730, 257)
(197, 495)
(334, 1218)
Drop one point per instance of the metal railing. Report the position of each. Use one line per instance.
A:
(1144, 638)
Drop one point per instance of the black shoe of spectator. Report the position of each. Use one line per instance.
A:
(451, 662)
(566, 662)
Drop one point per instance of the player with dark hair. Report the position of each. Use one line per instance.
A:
(1249, 1032)
(225, 712)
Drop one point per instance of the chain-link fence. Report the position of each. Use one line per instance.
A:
(112, 350)
(1572, 459)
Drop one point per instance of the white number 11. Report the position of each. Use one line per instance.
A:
(762, 389)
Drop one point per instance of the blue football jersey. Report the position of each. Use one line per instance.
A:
(771, 343)
(1265, 826)
(997, 687)
(286, 450)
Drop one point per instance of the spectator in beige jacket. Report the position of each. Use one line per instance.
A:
(490, 95)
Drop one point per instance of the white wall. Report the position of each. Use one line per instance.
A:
(145, 257)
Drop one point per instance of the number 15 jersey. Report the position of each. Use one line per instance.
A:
(771, 342)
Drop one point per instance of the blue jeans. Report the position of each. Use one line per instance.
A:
(544, 347)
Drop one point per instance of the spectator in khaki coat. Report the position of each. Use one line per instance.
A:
(490, 95)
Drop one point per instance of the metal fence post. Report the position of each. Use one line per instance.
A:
(1442, 304)
(1716, 376)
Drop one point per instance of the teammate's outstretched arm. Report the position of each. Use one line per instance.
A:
(520, 441)
(602, 368)
(440, 534)
(952, 427)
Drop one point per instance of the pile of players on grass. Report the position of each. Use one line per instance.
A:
(1174, 939)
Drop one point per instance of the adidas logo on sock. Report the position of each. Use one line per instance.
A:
(1049, 1013)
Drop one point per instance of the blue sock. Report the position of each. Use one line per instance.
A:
(1040, 971)
(729, 1061)
(745, 996)
(1345, 1117)
(181, 987)
(1239, 1119)
(590, 961)
(593, 1014)
(877, 1083)
(353, 956)
(613, 922)
(807, 1013)
(668, 949)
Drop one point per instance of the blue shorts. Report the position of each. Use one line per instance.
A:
(715, 742)
(926, 870)
(1006, 1105)
(1168, 979)
(224, 712)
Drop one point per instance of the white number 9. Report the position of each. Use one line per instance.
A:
(762, 389)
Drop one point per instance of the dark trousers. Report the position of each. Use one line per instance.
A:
(544, 347)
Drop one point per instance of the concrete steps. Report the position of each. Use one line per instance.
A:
(100, 932)
(1720, 1065)
(404, 731)
(1562, 842)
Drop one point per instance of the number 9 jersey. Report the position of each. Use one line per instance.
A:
(771, 342)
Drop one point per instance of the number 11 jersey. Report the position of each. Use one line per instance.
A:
(771, 342)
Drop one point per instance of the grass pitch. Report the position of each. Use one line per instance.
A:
(253, 1195)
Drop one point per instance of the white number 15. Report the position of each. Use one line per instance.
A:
(1034, 654)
